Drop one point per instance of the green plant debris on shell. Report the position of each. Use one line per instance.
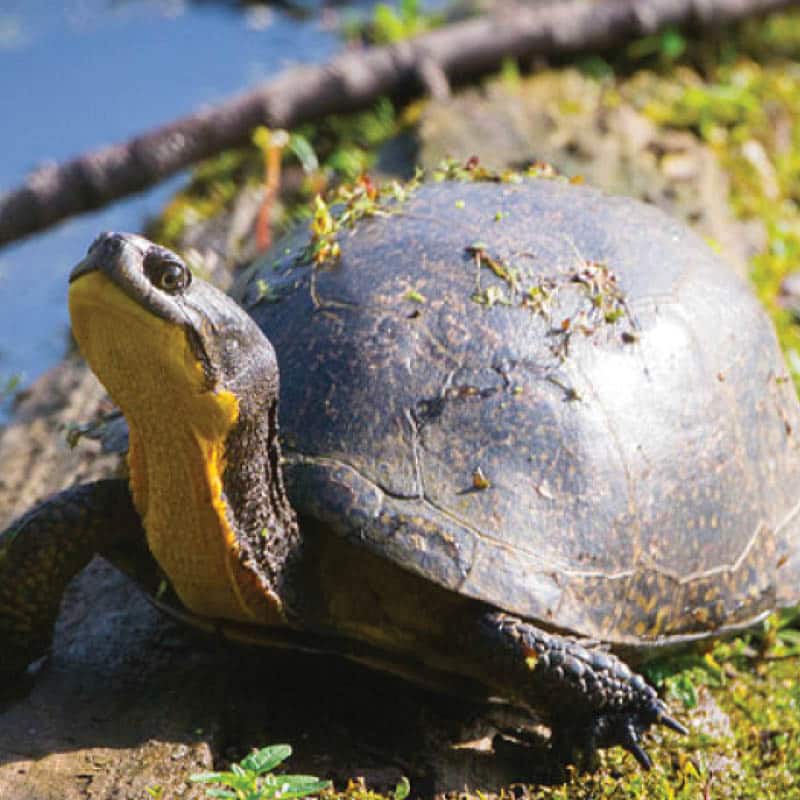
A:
(350, 202)
(604, 301)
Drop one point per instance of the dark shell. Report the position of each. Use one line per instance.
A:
(559, 402)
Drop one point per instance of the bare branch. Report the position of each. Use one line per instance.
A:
(350, 82)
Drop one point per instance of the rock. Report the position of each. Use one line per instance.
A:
(36, 457)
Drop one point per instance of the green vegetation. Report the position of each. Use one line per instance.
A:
(253, 778)
(389, 24)
(347, 144)
(339, 148)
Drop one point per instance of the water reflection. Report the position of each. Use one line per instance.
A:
(84, 73)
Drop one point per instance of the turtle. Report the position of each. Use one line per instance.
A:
(513, 433)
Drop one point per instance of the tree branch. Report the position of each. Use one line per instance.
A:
(350, 82)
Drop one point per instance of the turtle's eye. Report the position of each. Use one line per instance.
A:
(167, 274)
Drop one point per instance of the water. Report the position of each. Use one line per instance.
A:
(83, 73)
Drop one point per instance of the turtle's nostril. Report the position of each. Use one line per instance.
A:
(107, 243)
(107, 249)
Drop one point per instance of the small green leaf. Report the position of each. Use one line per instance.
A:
(288, 791)
(304, 152)
(210, 777)
(415, 296)
(403, 789)
(673, 44)
(267, 758)
(297, 781)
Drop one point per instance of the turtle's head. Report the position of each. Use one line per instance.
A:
(198, 384)
(149, 329)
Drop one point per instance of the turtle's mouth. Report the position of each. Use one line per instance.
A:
(137, 267)
(138, 356)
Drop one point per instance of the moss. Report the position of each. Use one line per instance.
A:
(348, 204)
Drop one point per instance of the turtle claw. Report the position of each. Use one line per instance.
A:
(668, 722)
(645, 762)
(657, 713)
(580, 739)
(629, 739)
(634, 724)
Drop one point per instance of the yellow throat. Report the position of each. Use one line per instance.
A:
(178, 427)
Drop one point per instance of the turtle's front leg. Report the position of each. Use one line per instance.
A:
(589, 698)
(42, 550)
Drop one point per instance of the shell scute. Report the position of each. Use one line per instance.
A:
(572, 357)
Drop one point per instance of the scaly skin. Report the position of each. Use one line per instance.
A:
(44, 549)
(600, 701)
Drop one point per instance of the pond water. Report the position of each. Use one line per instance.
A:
(78, 74)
